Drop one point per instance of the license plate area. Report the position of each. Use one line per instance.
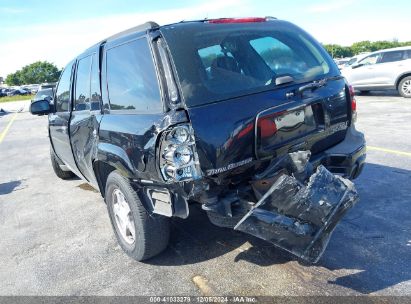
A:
(276, 129)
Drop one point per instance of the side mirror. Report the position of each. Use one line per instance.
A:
(40, 107)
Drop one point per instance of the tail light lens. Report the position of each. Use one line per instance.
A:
(178, 155)
(353, 104)
(267, 126)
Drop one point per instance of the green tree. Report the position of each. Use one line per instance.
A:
(362, 46)
(14, 79)
(37, 72)
(338, 51)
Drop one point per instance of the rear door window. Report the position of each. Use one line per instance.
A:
(131, 78)
(82, 89)
(392, 56)
(63, 90)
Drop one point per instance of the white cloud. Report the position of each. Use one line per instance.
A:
(60, 42)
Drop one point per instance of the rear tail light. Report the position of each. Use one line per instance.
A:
(267, 126)
(178, 155)
(353, 104)
(238, 20)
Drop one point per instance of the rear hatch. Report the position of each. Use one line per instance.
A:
(256, 90)
(267, 125)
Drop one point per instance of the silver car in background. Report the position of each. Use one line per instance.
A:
(381, 70)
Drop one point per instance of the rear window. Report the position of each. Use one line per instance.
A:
(221, 61)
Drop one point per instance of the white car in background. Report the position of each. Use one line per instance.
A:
(341, 62)
(354, 60)
(382, 70)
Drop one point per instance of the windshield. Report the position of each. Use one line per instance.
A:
(220, 61)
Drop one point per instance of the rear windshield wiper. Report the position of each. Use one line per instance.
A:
(312, 86)
(317, 84)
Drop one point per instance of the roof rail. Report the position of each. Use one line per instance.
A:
(139, 28)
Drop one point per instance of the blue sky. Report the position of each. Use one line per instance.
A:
(58, 30)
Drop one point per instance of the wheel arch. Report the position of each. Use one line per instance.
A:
(401, 77)
(110, 158)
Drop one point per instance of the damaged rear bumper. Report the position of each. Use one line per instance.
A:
(296, 209)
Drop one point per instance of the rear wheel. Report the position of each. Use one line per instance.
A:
(139, 234)
(404, 88)
(55, 163)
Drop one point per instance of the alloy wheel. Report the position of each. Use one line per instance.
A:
(123, 216)
(406, 87)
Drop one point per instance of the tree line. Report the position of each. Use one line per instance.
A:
(37, 72)
(338, 51)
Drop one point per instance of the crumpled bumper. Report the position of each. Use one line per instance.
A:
(299, 216)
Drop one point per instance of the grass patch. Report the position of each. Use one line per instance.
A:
(15, 98)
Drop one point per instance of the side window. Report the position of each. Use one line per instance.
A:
(63, 90)
(131, 78)
(408, 52)
(392, 56)
(95, 98)
(82, 89)
(373, 59)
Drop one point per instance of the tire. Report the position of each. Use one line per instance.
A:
(151, 233)
(56, 167)
(404, 88)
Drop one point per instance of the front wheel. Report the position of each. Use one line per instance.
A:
(404, 88)
(140, 234)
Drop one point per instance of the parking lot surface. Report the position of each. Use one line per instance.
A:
(56, 237)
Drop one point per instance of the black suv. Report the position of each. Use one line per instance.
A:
(248, 117)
